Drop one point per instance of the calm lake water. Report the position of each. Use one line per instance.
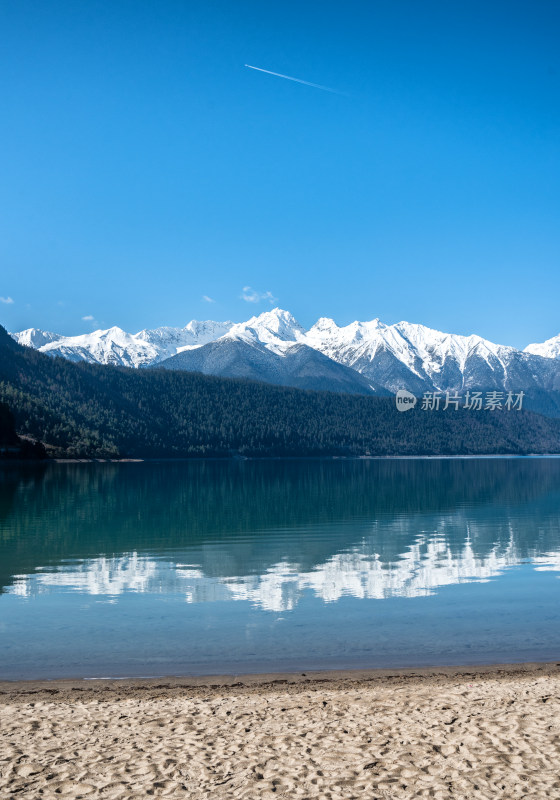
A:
(208, 567)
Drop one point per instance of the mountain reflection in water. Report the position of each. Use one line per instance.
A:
(273, 536)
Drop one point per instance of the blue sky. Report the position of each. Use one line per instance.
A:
(144, 167)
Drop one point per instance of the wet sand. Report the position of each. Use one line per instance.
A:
(470, 732)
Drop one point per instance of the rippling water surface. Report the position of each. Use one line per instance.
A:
(209, 567)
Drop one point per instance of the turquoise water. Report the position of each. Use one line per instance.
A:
(208, 567)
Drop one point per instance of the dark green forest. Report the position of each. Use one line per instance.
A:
(12, 445)
(8, 435)
(80, 410)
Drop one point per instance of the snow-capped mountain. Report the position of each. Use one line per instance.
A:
(277, 330)
(169, 341)
(548, 349)
(421, 359)
(270, 348)
(115, 346)
(274, 347)
(33, 337)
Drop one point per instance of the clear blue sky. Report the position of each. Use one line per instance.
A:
(143, 166)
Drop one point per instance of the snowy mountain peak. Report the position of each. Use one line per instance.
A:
(170, 341)
(428, 341)
(114, 334)
(413, 356)
(273, 328)
(281, 322)
(110, 346)
(116, 346)
(206, 327)
(33, 337)
(548, 349)
(324, 324)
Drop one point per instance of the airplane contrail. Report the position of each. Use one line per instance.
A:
(297, 80)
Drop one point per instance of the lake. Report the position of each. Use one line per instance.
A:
(185, 568)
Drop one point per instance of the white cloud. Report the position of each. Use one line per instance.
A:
(7, 300)
(208, 299)
(252, 296)
(88, 318)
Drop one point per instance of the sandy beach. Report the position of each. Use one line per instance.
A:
(448, 733)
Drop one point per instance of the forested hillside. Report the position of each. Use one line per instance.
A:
(84, 410)
(11, 445)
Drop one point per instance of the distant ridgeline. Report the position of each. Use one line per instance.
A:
(91, 411)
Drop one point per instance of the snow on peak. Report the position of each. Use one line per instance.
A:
(116, 346)
(33, 337)
(548, 349)
(408, 353)
(206, 328)
(272, 328)
(277, 320)
(402, 355)
(170, 341)
(429, 342)
(110, 346)
(357, 342)
(324, 324)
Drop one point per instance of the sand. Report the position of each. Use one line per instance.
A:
(457, 733)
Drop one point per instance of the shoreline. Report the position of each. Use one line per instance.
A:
(237, 459)
(156, 685)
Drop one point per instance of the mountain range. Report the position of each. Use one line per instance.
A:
(363, 357)
(83, 410)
